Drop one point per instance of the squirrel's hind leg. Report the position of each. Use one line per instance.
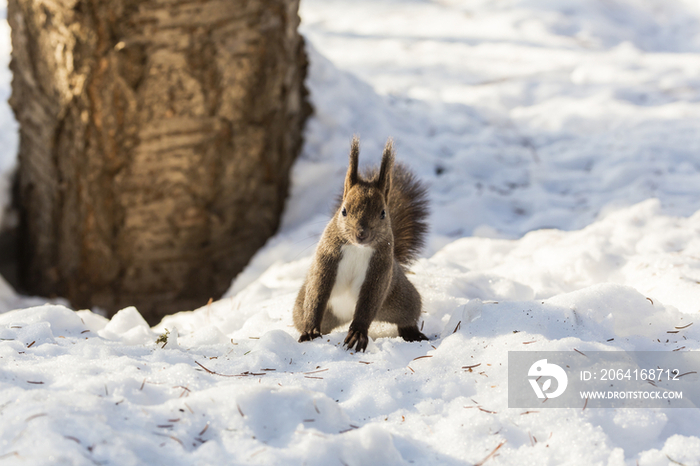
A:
(329, 322)
(412, 334)
(402, 307)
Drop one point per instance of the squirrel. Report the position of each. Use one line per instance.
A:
(358, 272)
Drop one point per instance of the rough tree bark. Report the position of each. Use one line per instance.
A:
(156, 138)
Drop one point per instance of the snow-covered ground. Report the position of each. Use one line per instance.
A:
(561, 144)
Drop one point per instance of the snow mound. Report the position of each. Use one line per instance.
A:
(231, 383)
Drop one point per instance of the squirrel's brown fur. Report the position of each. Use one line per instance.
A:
(358, 271)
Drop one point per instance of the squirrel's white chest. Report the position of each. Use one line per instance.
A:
(348, 281)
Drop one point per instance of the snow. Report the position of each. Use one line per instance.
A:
(559, 141)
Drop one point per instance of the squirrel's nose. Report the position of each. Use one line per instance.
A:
(361, 235)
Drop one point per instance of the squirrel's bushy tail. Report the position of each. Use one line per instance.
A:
(408, 208)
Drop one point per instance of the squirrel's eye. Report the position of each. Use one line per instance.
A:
(383, 214)
(344, 212)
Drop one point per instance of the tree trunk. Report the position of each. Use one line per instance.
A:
(156, 139)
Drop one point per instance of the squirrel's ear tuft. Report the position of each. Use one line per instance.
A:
(351, 176)
(384, 178)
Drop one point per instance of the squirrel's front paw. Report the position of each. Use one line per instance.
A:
(356, 338)
(309, 335)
